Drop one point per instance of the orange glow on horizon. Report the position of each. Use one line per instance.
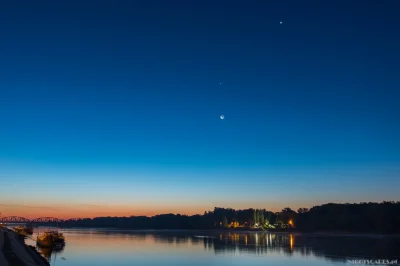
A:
(87, 211)
(82, 210)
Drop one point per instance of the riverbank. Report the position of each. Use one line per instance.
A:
(14, 252)
(239, 230)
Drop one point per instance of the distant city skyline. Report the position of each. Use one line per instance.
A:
(135, 108)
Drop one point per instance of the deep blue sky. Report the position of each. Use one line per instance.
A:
(129, 94)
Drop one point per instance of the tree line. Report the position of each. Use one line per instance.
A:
(358, 217)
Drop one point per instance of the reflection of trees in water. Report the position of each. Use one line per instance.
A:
(257, 243)
(351, 247)
(332, 247)
(337, 248)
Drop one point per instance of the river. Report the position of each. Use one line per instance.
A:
(115, 247)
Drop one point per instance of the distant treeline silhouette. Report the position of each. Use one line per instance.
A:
(356, 218)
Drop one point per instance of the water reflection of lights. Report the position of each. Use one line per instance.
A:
(291, 241)
(257, 241)
(272, 246)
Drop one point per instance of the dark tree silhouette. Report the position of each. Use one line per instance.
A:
(358, 218)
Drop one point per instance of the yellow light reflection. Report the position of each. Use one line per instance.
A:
(291, 242)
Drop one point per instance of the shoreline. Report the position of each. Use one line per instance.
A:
(291, 231)
(14, 251)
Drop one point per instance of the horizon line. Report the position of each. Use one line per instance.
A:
(189, 215)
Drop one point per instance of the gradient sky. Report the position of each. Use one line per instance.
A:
(112, 107)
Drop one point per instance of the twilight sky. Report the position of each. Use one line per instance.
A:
(113, 107)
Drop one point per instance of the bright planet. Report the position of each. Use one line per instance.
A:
(108, 123)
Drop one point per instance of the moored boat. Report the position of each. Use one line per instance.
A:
(23, 230)
(28, 230)
(52, 239)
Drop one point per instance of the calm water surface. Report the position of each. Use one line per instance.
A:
(114, 247)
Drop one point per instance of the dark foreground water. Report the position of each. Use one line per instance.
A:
(112, 247)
